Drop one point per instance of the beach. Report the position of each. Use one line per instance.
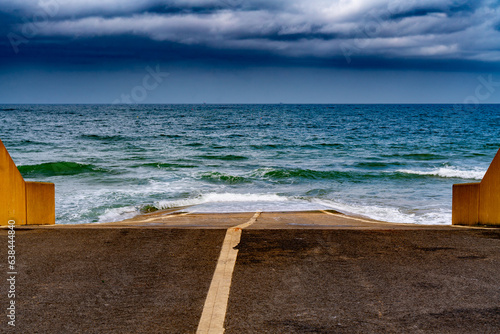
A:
(295, 272)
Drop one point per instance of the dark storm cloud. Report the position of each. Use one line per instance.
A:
(380, 33)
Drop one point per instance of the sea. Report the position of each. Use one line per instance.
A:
(395, 163)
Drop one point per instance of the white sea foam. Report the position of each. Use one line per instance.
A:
(208, 202)
(236, 202)
(220, 203)
(448, 172)
(254, 206)
(437, 216)
(222, 197)
(118, 214)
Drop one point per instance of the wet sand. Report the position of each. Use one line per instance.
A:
(304, 272)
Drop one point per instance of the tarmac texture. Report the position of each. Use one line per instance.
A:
(309, 272)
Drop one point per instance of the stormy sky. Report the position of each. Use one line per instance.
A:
(249, 51)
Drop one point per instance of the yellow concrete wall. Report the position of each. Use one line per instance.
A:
(489, 203)
(12, 190)
(40, 203)
(478, 203)
(23, 202)
(465, 205)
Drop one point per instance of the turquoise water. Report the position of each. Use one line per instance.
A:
(391, 162)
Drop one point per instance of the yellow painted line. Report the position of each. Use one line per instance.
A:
(144, 220)
(491, 228)
(161, 217)
(353, 218)
(214, 311)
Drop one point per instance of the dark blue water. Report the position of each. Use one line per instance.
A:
(390, 162)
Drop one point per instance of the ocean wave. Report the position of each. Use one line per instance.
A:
(229, 157)
(267, 146)
(331, 145)
(448, 172)
(222, 147)
(377, 164)
(104, 137)
(58, 168)
(170, 136)
(164, 165)
(308, 174)
(415, 156)
(223, 178)
(33, 142)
